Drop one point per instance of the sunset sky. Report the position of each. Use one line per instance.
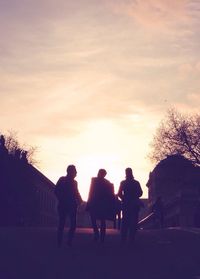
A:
(88, 81)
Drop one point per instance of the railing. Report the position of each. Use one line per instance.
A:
(151, 221)
(146, 220)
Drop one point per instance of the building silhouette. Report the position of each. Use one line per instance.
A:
(26, 195)
(177, 181)
(46, 201)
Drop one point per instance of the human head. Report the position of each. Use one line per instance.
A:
(71, 171)
(129, 173)
(102, 173)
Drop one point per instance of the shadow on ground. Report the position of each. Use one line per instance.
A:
(32, 253)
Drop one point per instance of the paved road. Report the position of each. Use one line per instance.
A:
(27, 253)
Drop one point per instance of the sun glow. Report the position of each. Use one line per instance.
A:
(101, 144)
(102, 147)
(88, 167)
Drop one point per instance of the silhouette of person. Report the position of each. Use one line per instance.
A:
(101, 203)
(129, 192)
(69, 198)
(117, 220)
(158, 210)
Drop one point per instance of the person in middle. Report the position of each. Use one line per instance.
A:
(101, 203)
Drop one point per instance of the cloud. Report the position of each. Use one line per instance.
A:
(189, 69)
(158, 15)
(194, 98)
(71, 68)
(65, 63)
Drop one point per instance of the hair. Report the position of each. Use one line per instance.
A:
(70, 169)
(102, 173)
(129, 173)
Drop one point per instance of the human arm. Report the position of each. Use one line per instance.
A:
(120, 191)
(79, 199)
(90, 196)
(139, 191)
(58, 189)
(112, 192)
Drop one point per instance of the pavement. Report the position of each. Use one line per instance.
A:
(32, 253)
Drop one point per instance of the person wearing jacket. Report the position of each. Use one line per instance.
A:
(101, 203)
(69, 198)
(129, 192)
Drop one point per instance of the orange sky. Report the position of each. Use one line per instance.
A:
(88, 81)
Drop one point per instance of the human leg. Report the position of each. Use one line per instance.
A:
(72, 228)
(94, 226)
(103, 230)
(61, 225)
(124, 226)
(133, 226)
(119, 220)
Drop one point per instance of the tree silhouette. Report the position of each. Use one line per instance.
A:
(177, 134)
(14, 147)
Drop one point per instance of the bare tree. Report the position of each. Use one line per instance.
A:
(14, 146)
(177, 134)
(11, 142)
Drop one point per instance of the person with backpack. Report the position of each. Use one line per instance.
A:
(69, 199)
